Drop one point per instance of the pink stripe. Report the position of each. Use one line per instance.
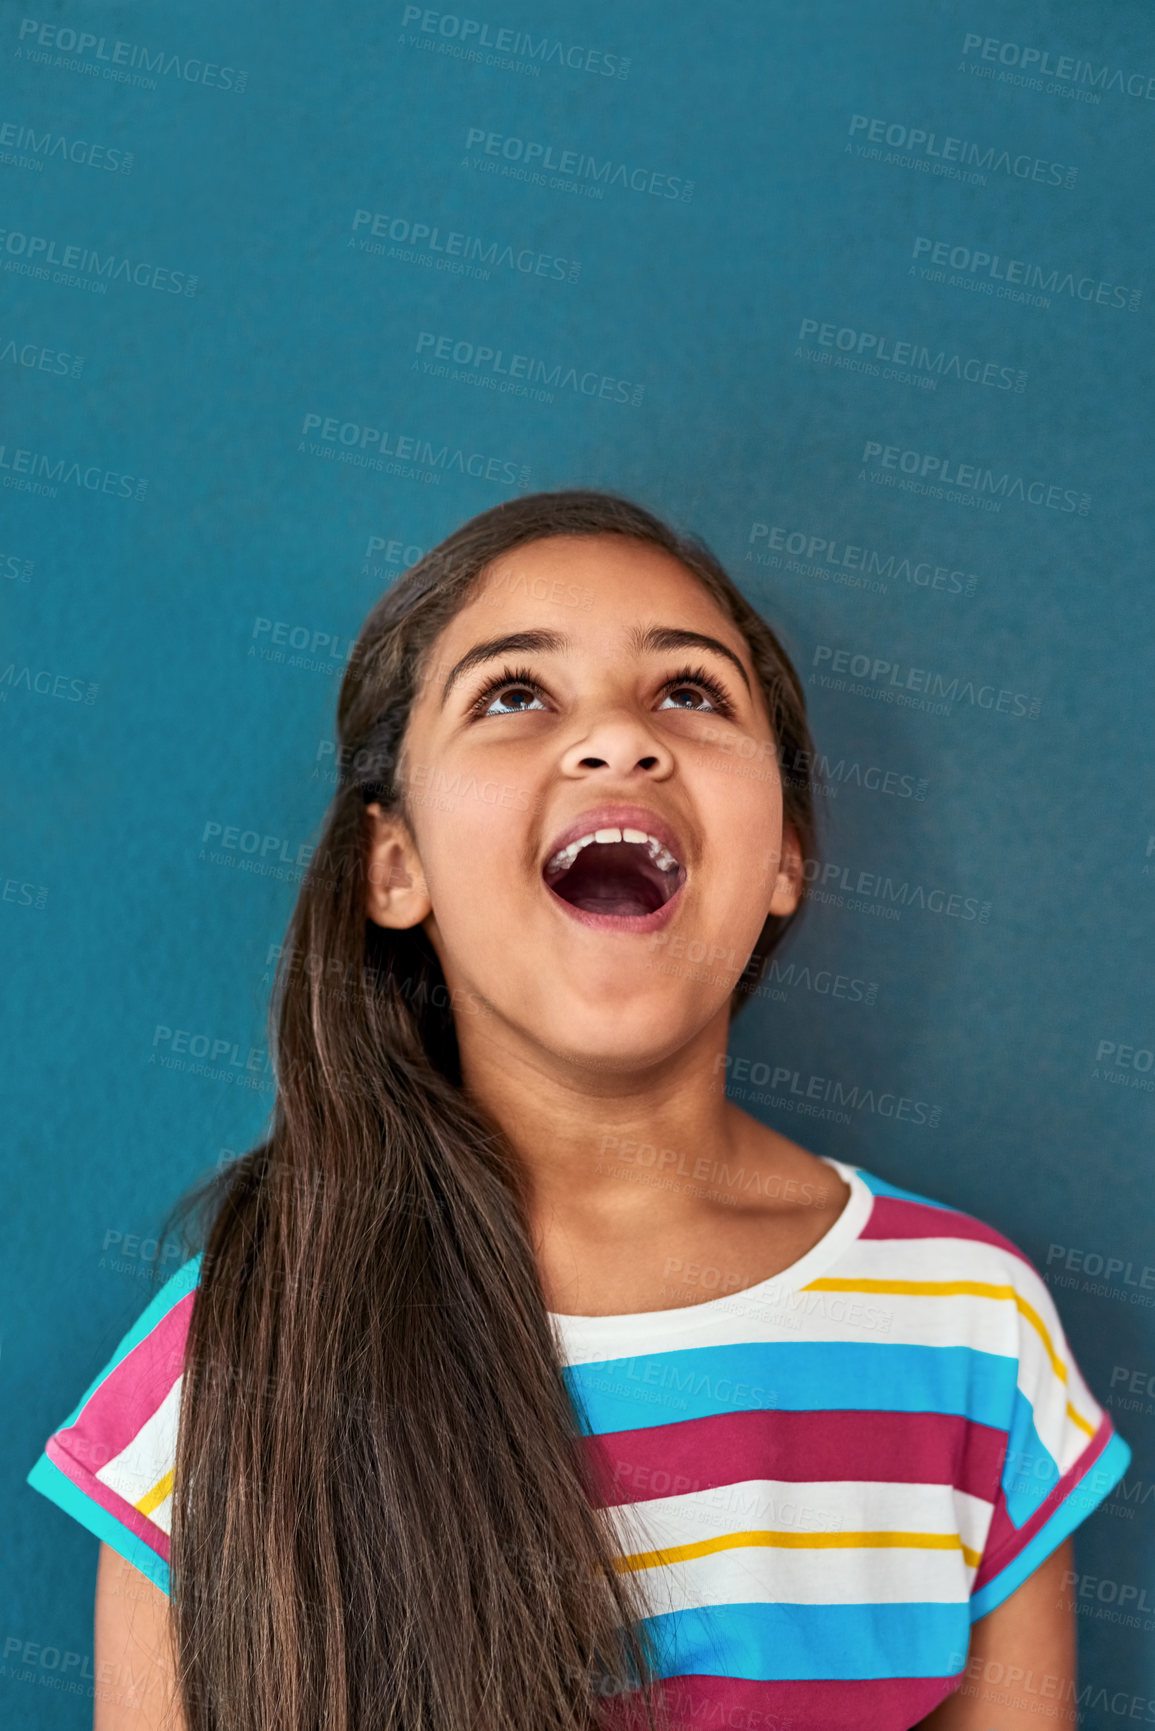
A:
(700, 1454)
(131, 1392)
(1005, 1540)
(115, 1505)
(892, 1218)
(866, 1704)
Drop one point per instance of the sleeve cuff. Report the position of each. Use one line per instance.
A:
(48, 1479)
(1104, 1470)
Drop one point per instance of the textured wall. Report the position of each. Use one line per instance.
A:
(863, 295)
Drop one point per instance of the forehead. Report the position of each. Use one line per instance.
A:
(588, 586)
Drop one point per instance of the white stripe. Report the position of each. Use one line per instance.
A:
(811, 1507)
(762, 1574)
(161, 1516)
(147, 1458)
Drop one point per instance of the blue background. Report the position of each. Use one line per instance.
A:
(169, 663)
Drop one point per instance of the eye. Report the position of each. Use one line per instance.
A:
(694, 682)
(515, 681)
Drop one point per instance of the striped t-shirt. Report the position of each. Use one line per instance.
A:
(820, 1481)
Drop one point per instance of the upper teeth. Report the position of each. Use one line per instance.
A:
(658, 852)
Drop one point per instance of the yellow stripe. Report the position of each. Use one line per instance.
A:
(955, 1288)
(799, 1542)
(152, 1499)
(1077, 1418)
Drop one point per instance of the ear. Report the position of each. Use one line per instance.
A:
(396, 893)
(788, 882)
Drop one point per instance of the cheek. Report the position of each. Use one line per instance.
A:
(746, 810)
(471, 860)
(748, 872)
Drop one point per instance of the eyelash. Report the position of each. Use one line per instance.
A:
(687, 675)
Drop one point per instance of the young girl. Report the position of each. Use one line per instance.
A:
(523, 1380)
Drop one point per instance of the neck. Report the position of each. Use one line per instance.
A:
(574, 1126)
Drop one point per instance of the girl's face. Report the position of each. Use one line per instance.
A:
(589, 687)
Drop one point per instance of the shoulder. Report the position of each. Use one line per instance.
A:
(146, 1365)
(960, 1241)
(954, 1280)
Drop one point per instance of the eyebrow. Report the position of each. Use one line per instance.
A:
(642, 640)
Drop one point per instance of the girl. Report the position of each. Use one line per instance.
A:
(523, 1380)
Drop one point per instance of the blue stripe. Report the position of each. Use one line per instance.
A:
(170, 1294)
(1100, 1478)
(880, 1187)
(660, 1388)
(1030, 1470)
(47, 1478)
(812, 1643)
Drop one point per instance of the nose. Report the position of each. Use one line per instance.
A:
(619, 743)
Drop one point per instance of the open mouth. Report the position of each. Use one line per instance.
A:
(623, 873)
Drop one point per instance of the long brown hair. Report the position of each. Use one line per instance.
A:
(383, 1511)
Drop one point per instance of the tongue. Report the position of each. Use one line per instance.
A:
(613, 878)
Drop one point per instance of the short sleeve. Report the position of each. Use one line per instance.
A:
(1063, 1455)
(110, 1463)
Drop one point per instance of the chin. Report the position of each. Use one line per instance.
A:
(622, 1031)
